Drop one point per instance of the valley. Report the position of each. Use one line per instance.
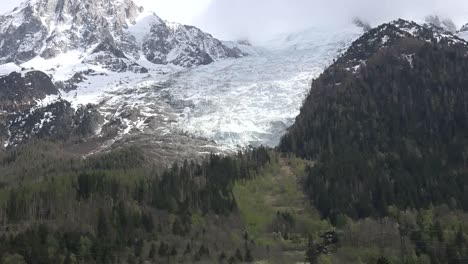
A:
(125, 138)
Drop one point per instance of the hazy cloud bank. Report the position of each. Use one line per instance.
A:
(257, 19)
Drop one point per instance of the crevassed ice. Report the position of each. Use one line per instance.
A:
(253, 100)
(234, 102)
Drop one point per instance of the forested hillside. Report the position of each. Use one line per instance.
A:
(110, 207)
(387, 124)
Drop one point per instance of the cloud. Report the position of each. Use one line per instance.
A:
(257, 19)
(181, 11)
(260, 19)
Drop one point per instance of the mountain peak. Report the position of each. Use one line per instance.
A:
(63, 26)
(47, 28)
(390, 33)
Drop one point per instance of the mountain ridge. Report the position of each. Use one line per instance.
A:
(156, 102)
(47, 28)
(137, 105)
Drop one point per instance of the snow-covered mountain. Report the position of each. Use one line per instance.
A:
(121, 76)
(115, 34)
(227, 104)
(387, 34)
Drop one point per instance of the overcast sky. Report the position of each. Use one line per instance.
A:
(259, 18)
(256, 19)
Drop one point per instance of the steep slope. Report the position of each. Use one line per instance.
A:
(48, 28)
(184, 45)
(402, 39)
(119, 32)
(235, 103)
(226, 105)
(31, 108)
(251, 101)
(84, 48)
(19, 92)
(387, 123)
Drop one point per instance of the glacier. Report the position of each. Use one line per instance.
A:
(230, 103)
(253, 100)
(233, 102)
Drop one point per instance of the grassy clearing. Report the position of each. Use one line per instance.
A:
(277, 189)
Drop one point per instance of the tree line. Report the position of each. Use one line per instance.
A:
(112, 208)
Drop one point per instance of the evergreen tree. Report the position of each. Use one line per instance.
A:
(311, 251)
(103, 227)
(248, 256)
(152, 252)
(238, 255)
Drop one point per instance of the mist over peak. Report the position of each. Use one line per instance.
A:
(260, 19)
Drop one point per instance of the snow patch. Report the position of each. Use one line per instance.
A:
(141, 28)
(62, 67)
(463, 35)
(8, 68)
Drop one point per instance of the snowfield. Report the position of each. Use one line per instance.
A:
(253, 100)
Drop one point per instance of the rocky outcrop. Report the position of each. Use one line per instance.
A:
(47, 28)
(56, 121)
(24, 115)
(50, 27)
(19, 91)
(110, 57)
(390, 33)
(185, 46)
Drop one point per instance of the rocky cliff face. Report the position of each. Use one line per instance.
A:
(87, 48)
(25, 114)
(184, 45)
(120, 30)
(49, 27)
(20, 91)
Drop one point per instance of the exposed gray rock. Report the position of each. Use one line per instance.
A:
(48, 28)
(20, 91)
(23, 118)
(77, 78)
(57, 121)
(185, 46)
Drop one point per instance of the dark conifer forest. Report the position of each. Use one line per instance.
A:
(88, 211)
(392, 134)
